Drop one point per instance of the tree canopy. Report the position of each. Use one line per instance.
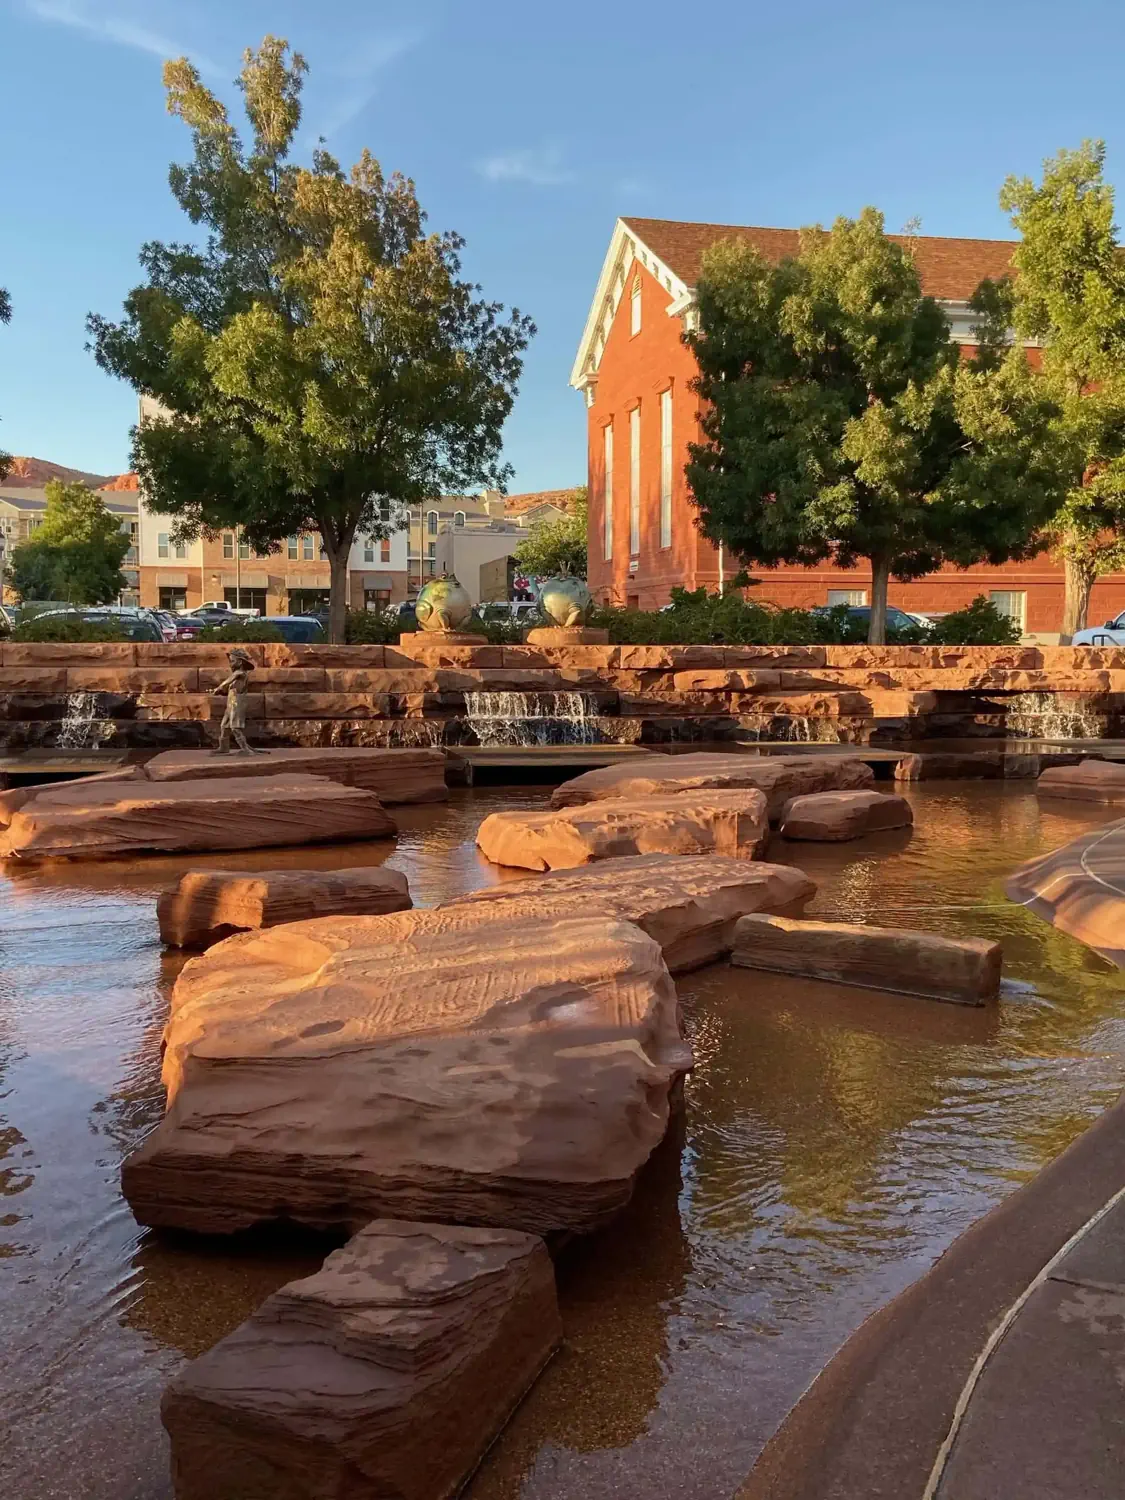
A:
(1069, 295)
(319, 356)
(557, 548)
(839, 423)
(76, 554)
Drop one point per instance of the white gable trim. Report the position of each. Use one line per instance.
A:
(624, 247)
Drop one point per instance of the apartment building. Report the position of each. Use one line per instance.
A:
(24, 507)
(475, 537)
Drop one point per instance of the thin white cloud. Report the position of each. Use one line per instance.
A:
(541, 166)
(363, 70)
(116, 29)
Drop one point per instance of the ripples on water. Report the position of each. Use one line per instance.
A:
(833, 1143)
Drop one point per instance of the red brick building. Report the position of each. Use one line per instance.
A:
(635, 374)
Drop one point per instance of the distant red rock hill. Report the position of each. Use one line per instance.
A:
(33, 473)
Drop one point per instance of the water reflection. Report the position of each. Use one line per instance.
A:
(832, 1143)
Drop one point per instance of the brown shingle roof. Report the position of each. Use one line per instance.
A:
(950, 269)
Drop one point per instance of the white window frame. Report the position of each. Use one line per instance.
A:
(431, 522)
(369, 550)
(162, 544)
(1019, 615)
(308, 550)
(292, 548)
(228, 546)
(607, 548)
(635, 481)
(179, 550)
(853, 598)
(635, 308)
(666, 467)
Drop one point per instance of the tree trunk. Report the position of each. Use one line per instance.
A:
(1079, 575)
(880, 578)
(338, 598)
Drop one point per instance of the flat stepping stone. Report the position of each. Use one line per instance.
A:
(780, 777)
(1088, 781)
(732, 823)
(833, 817)
(453, 1065)
(688, 904)
(206, 906)
(104, 817)
(1080, 889)
(387, 1373)
(393, 775)
(965, 971)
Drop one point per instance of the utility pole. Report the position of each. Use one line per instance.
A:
(238, 567)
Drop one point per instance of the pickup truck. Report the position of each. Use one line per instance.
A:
(221, 606)
(1112, 633)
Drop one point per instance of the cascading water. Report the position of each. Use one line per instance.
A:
(1047, 716)
(798, 730)
(86, 725)
(532, 718)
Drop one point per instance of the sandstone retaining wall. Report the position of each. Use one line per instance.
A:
(422, 693)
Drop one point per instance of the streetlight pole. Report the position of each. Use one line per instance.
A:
(238, 567)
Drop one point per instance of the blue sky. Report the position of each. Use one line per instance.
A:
(528, 128)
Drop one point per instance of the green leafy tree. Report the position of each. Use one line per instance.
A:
(1069, 294)
(557, 548)
(839, 423)
(319, 362)
(76, 554)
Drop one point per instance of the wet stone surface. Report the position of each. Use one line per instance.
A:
(833, 1143)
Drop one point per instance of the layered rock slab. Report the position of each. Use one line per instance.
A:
(965, 971)
(1080, 889)
(384, 1376)
(394, 776)
(1088, 781)
(833, 817)
(688, 904)
(102, 818)
(780, 777)
(730, 823)
(451, 1065)
(206, 906)
(949, 765)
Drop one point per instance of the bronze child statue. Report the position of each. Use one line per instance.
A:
(234, 720)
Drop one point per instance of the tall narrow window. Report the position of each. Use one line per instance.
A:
(608, 544)
(635, 307)
(228, 544)
(162, 544)
(243, 548)
(431, 522)
(385, 550)
(458, 519)
(634, 481)
(291, 548)
(369, 550)
(306, 549)
(666, 468)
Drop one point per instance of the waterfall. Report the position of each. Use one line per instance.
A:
(772, 728)
(1047, 716)
(532, 718)
(417, 734)
(85, 726)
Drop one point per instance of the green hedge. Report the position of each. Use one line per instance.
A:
(242, 632)
(65, 629)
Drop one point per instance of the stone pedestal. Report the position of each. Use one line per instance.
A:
(567, 635)
(441, 638)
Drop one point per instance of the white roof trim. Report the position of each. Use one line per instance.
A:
(624, 247)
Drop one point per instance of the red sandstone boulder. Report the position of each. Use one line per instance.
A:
(966, 971)
(209, 905)
(94, 819)
(387, 1373)
(393, 775)
(832, 817)
(732, 823)
(780, 777)
(687, 904)
(1088, 781)
(948, 765)
(452, 1065)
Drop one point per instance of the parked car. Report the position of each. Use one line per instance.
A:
(520, 610)
(187, 628)
(134, 624)
(403, 615)
(303, 630)
(860, 616)
(224, 607)
(167, 622)
(206, 615)
(1112, 633)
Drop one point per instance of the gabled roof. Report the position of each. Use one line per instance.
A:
(951, 270)
(672, 250)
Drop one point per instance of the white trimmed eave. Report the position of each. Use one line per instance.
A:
(624, 248)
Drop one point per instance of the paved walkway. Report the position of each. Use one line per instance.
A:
(1080, 889)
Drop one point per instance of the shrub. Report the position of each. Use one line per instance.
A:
(978, 624)
(66, 628)
(370, 628)
(241, 632)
